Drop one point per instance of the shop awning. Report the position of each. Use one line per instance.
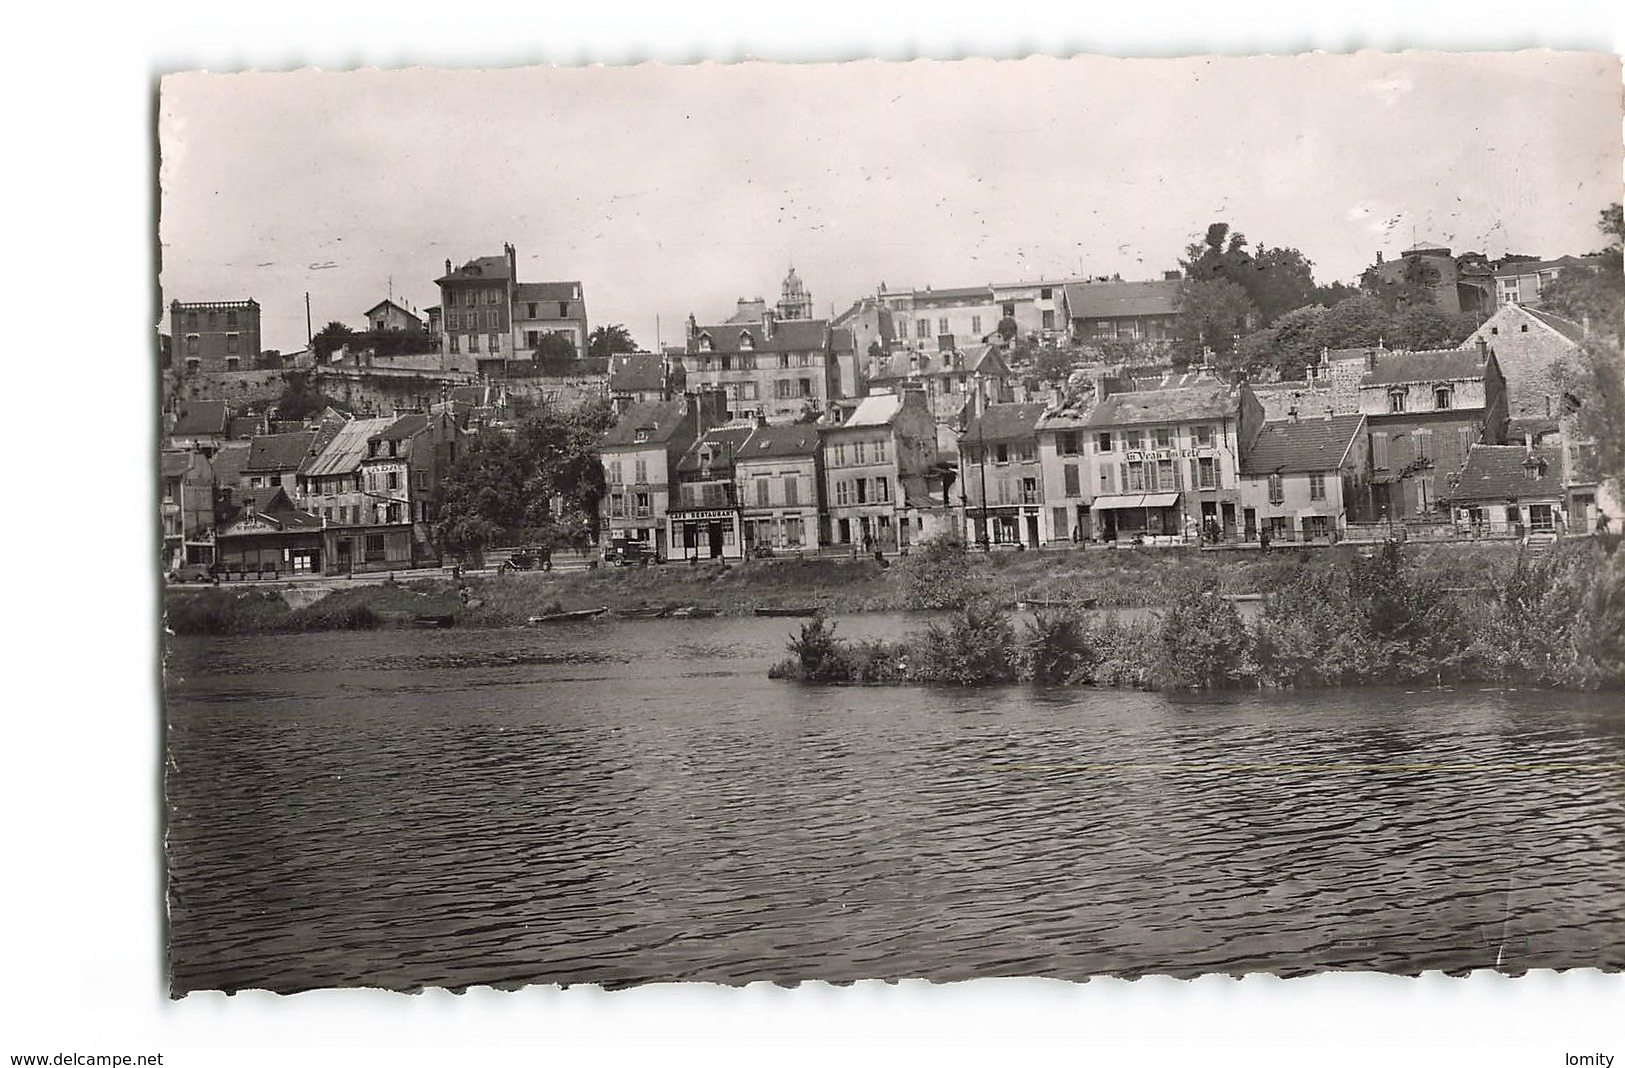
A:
(1136, 500)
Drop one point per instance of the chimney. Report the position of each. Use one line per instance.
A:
(1379, 256)
(1328, 412)
(1370, 360)
(1292, 413)
(1483, 350)
(761, 421)
(767, 325)
(448, 265)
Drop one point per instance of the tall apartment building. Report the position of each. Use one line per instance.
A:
(487, 317)
(214, 335)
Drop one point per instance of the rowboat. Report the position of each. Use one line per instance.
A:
(1035, 603)
(433, 621)
(642, 613)
(691, 612)
(568, 617)
(798, 610)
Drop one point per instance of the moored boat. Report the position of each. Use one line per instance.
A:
(642, 613)
(791, 610)
(691, 612)
(434, 621)
(568, 617)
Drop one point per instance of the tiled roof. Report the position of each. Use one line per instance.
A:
(1426, 365)
(201, 417)
(486, 268)
(878, 409)
(723, 443)
(242, 427)
(1178, 404)
(1113, 300)
(344, 453)
(660, 418)
(273, 503)
(1567, 327)
(175, 464)
(403, 428)
(1499, 473)
(279, 452)
(1004, 422)
(1313, 443)
(548, 296)
(1513, 270)
(795, 439)
(840, 339)
(228, 462)
(636, 372)
(789, 335)
(389, 304)
(927, 296)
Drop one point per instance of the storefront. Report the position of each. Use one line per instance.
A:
(1131, 516)
(705, 534)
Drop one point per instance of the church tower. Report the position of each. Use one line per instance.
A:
(794, 300)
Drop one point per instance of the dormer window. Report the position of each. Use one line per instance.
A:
(641, 434)
(705, 343)
(1396, 401)
(1441, 397)
(745, 340)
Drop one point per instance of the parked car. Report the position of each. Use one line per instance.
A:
(523, 560)
(192, 573)
(628, 553)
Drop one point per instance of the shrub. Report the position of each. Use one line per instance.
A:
(1307, 634)
(1057, 650)
(977, 647)
(1203, 642)
(1126, 652)
(936, 574)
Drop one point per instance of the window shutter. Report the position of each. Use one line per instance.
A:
(1196, 475)
(1123, 468)
(1379, 449)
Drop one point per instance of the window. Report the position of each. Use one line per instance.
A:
(640, 470)
(1277, 491)
(792, 530)
(922, 328)
(375, 547)
(191, 320)
(1046, 293)
(860, 452)
(1495, 330)
(880, 451)
(802, 360)
(473, 343)
(192, 344)
(1441, 398)
(490, 320)
(1001, 453)
(468, 298)
(612, 469)
(1067, 443)
(1103, 442)
(763, 494)
(233, 363)
(1317, 486)
(1029, 490)
(1204, 437)
(494, 342)
(232, 343)
(421, 478)
(231, 318)
(976, 325)
(1131, 440)
(212, 318)
(1135, 480)
(530, 309)
(393, 481)
(843, 492)
(1396, 401)
(1069, 480)
(1523, 328)
(942, 325)
(1379, 449)
(564, 309)
(1166, 479)
(838, 455)
(1106, 479)
(902, 328)
(862, 487)
(1424, 444)
(1022, 452)
(1048, 318)
(792, 490)
(1163, 437)
(1207, 472)
(882, 490)
(805, 387)
(1008, 309)
(1316, 527)
(640, 505)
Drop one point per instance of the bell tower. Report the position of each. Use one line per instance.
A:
(794, 300)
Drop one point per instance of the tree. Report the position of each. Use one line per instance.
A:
(1428, 327)
(1008, 328)
(1053, 365)
(329, 338)
(1353, 323)
(1220, 254)
(1334, 293)
(1593, 380)
(1289, 346)
(1211, 313)
(553, 348)
(1415, 286)
(1279, 281)
(300, 397)
(1594, 295)
(611, 340)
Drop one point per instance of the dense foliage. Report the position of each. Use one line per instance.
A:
(1556, 620)
(538, 483)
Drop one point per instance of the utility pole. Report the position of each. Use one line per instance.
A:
(310, 339)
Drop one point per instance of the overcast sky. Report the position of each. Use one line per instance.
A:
(667, 190)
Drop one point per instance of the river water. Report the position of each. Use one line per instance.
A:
(623, 802)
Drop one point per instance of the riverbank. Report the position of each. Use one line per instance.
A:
(931, 578)
(1391, 616)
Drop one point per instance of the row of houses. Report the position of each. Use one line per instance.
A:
(337, 495)
(1414, 438)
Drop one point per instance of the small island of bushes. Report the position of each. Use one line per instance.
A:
(1382, 617)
